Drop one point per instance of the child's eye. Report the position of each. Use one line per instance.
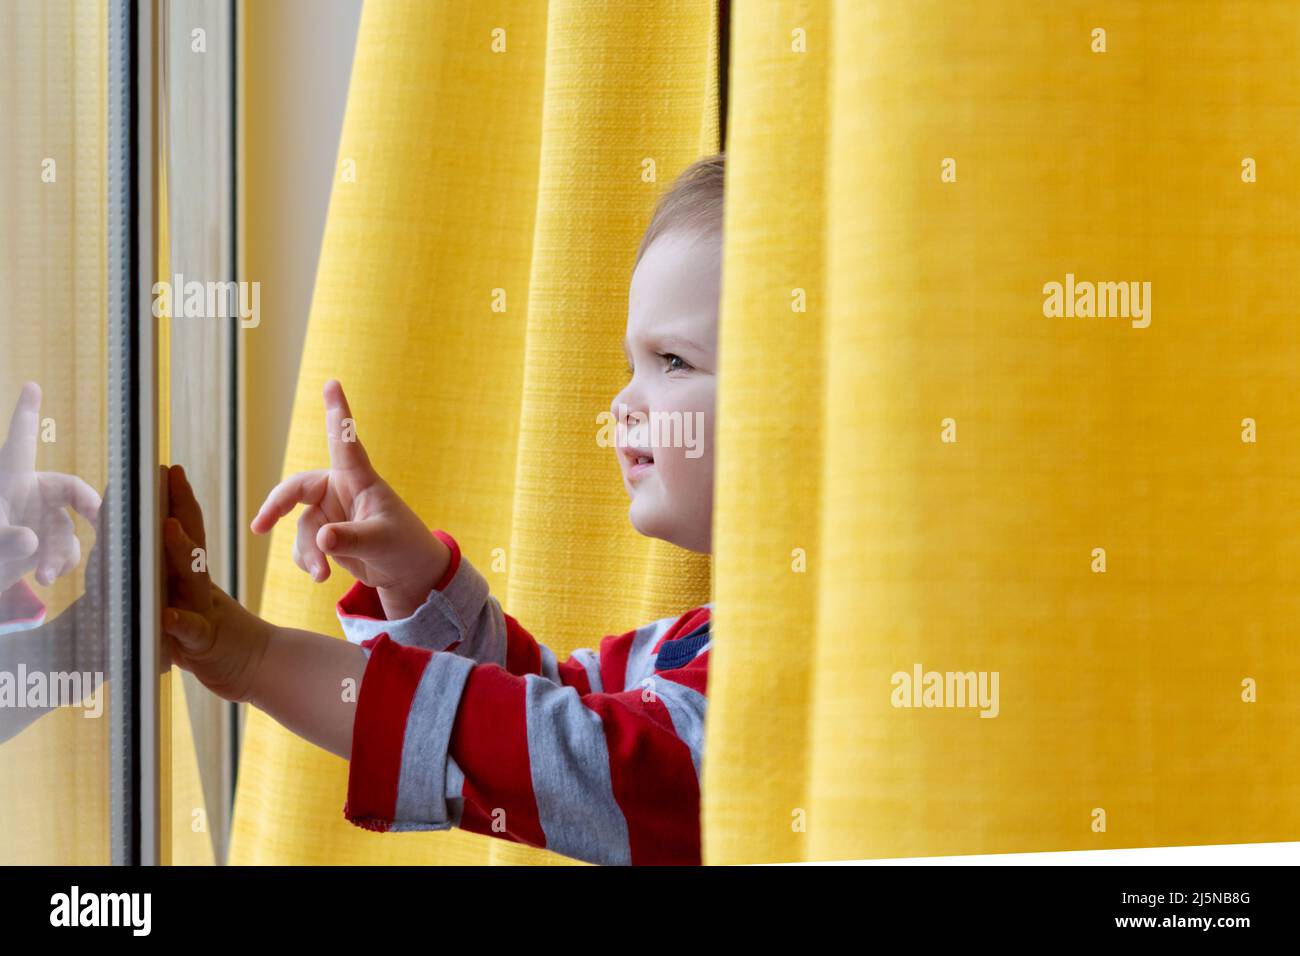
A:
(670, 358)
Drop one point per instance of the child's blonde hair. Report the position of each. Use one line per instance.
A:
(694, 203)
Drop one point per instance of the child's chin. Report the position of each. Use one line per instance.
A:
(645, 518)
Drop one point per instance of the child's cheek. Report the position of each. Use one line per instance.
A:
(679, 479)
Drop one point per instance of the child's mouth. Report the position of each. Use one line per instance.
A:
(639, 460)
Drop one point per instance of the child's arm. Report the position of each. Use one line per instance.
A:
(305, 681)
(466, 720)
(460, 615)
(610, 778)
(604, 774)
(308, 682)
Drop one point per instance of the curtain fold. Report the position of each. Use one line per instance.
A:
(482, 178)
(769, 433)
(1078, 440)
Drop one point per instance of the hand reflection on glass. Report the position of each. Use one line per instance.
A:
(36, 531)
(41, 661)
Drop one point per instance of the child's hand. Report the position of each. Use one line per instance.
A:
(355, 517)
(213, 637)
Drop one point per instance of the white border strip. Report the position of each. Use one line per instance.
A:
(1228, 854)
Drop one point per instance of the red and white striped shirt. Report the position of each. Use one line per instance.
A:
(464, 719)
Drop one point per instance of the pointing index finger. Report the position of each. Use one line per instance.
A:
(19, 450)
(346, 451)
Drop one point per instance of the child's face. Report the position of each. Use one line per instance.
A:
(667, 405)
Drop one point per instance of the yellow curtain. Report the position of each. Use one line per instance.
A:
(1103, 532)
(494, 152)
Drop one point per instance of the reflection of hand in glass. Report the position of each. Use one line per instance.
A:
(36, 531)
(75, 642)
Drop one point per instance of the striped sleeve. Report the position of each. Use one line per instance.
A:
(440, 741)
(461, 616)
(515, 745)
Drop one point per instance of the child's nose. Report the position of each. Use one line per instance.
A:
(623, 405)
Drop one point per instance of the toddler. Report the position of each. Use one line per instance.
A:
(463, 718)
